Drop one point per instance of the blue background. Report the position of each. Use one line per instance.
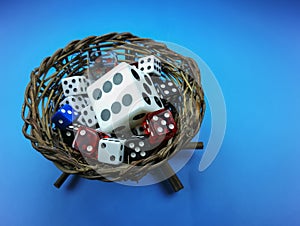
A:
(253, 49)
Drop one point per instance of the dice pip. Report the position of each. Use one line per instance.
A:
(160, 126)
(123, 97)
(64, 117)
(111, 151)
(87, 101)
(75, 85)
(150, 65)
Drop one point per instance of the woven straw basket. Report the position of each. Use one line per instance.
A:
(44, 92)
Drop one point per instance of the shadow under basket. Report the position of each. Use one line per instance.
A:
(44, 93)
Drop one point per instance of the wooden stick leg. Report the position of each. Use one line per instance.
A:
(194, 145)
(175, 183)
(173, 180)
(59, 182)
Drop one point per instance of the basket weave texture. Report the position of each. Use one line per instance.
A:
(44, 93)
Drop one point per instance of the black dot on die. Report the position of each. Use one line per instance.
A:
(118, 78)
(148, 90)
(157, 101)
(70, 86)
(75, 90)
(142, 69)
(112, 158)
(97, 93)
(105, 115)
(127, 99)
(116, 107)
(85, 112)
(149, 67)
(90, 121)
(139, 116)
(142, 61)
(135, 74)
(65, 82)
(146, 98)
(107, 86)
(73, 80)
(148, 80)
(149, 59)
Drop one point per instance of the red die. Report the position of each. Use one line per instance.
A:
(87, 141)
(160, 126)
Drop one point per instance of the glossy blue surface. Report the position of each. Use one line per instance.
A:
(64, 116)
(252, 47)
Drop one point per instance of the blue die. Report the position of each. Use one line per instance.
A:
(65, 116)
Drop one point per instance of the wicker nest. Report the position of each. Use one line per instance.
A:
(44, 92)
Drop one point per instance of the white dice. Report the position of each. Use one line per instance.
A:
(74, 85)
(76, 102)
(81, 120)
(122, 97)
(150, 65)
(111, 151)
(88, 116)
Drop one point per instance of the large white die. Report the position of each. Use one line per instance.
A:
(75, 85)
(122, 98)
(111, 151)
(150, 64)
(76, 102)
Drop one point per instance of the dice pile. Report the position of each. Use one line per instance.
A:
(120, 115)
